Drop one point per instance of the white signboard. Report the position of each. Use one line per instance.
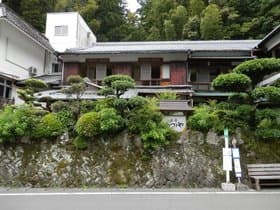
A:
(236, 161)
(227, 159)
(235, 153)
(178, 123)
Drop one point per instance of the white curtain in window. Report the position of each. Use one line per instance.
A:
(165, 71)
(101, 71)
(146, 72)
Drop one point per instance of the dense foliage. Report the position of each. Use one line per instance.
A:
(258, 68)
(218, 116)
(49, 127)
(268, 124)
(269, 94)
(257, 110)
(18, 122)
(162, 19)
(232, 82)
(116, 85)
(32, 86)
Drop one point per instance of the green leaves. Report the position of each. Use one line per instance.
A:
(211, 26)
(116, 84)
(269, 94)
(232, 82)
(258, 68)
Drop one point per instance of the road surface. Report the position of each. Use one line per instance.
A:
(140, 200)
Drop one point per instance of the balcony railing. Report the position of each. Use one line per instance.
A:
(151, 82)
(201, 85)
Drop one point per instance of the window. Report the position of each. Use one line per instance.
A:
(165, 71)
(193, 76)
(97, 72)
(101, 71)
(5, 88)
(61, 31)
(56, 68)
(146, 72)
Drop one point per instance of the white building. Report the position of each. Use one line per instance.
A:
(67, 30)
(24, 53)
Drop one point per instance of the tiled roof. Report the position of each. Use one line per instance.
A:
(268, 36)
(166, 47)
(12, 17)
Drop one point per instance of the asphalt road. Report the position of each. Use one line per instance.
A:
(136, 200)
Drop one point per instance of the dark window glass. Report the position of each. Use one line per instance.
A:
(193, 77)
(8, 93)
(155, 72)
(1, 91)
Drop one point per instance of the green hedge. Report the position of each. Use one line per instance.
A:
(270, 94)
(268, 124)
(49, 127)
(18, 122)
(88, 125)
(232, 82)
(258, 68)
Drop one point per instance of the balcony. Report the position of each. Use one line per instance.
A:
(204, 86)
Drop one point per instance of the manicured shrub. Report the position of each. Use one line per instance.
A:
(246, 113)
(167, 96)
(17, 122)
(139, 119)
(87, 106)
(272, 114)
(268, 124)
(203, 119)
(258, 68)
(155, 136)
(240, 98)
(120, 104)
(88, 125)
(137, 102)
(270, 94)
(67, 118)
(268, 134)
(116, 85)
(80, 143)
(49, 127)
(232, 82)
(59, 106)
(110, 121)
(74, 79)
(103, 104)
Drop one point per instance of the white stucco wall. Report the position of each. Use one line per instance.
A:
(19, 52)
(85, 38)
(78, 30)
(61, 43)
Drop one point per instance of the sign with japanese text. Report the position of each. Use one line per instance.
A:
(178, 123)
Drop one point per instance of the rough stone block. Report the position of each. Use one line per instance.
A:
(229, 187)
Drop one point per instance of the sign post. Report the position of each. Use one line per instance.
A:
(227, 163)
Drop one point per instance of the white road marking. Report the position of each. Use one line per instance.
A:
(134, 193)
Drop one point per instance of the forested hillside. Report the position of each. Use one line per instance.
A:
(162, 19)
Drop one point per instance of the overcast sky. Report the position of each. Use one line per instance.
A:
(132, 5)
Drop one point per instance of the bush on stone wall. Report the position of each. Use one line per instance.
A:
(18, 122)
(49, 127)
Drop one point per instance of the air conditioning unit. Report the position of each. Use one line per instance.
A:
(32, 71)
